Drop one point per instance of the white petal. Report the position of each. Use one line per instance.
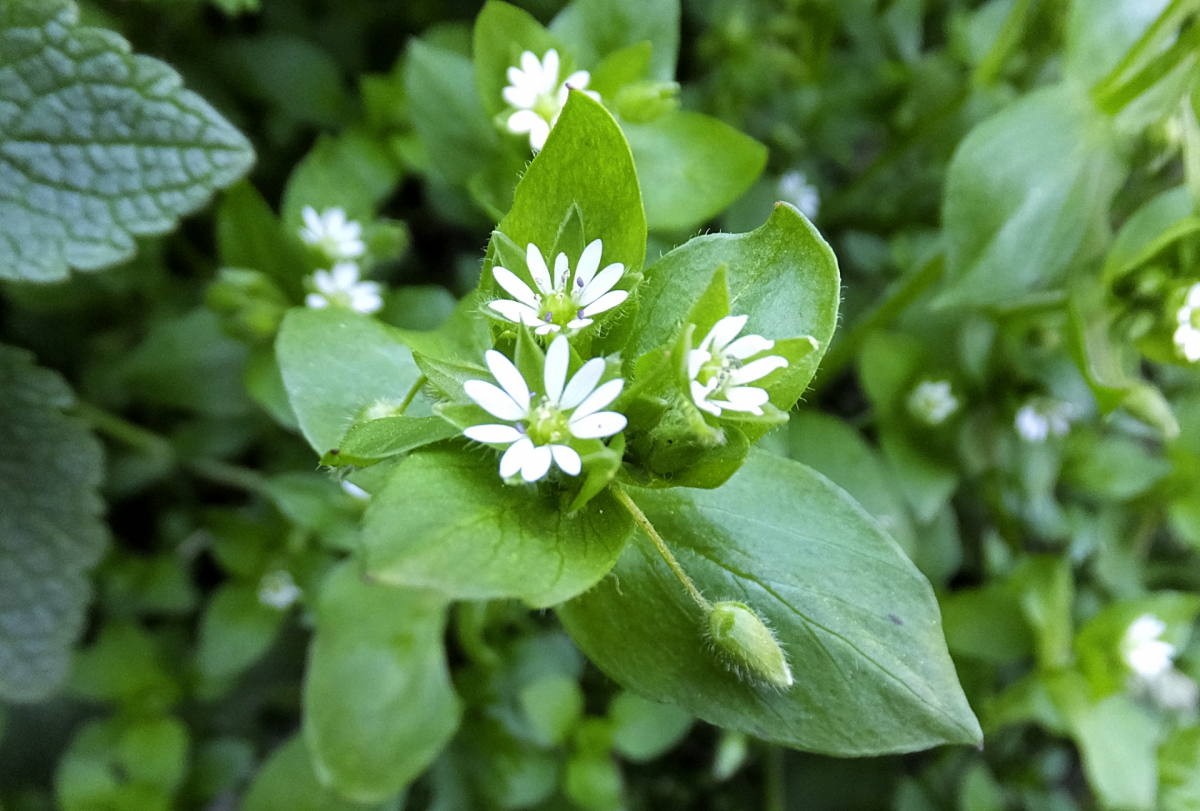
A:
(493, 434)
(523, 121)
(748, 346)
(578, 80)
(757, 369)
(335, 219)
(313, 220)
(567, 459)
(579, 323)
(695, 359)
(509, 378)
(351, 248)
(316, 301)
(515, 311)
(547, 329)
(345, 274)
(538, 269)
(519, 95)
(537, 464)
(1193, 296)
(561, 271)
(531, 65)
(589, 263)
(600, 285)
(583, 383)
(550, 69)
(606, 302)
(538, 133)
(558, 357)
(700, 394)
(599, 399)
(516, 288)
(493, 400)
(746, 398)
(514, 458)
(723, 332)
(598, 426)
(365, 299)
(592, 94)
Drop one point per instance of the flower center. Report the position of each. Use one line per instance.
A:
(547, 106)
(720, 368)
(1194, 319)
(547, 424)
(558, 308)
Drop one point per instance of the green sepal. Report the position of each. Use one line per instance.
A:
(370, 441)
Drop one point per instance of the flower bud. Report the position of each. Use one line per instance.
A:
(642, 102)
(744, 639)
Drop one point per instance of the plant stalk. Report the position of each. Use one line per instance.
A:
(643, 522)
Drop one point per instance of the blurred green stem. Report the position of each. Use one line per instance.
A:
(776, 793)
(1009, 37)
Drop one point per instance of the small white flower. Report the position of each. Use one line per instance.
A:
(1146, 654)
(1041, 417)
(354, 491)
(330, 231)
(1172, 690)
(340, 287)
(538, 96)
(933, 401)
(538, 432)
(564, 300)
(1187, 335)
(278, 590)
(795, 189)
(717, 370)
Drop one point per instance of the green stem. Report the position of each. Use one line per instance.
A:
(643, 522)
(1008, 38)
(218, 472)
(1172, 15)
(899, 295)
(1113, 100)
(412, 393)
(776, 791)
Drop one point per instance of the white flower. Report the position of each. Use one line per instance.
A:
(1172, 690)
(718, 374)
(932, 401)
(278, 590)
(330, 231)
(538, 96)
(354, 491)
(1187, 336)
(795, 189)
(540, 431)
(1041, 417)
(340, 287)
(565, 300)
(1146, 654)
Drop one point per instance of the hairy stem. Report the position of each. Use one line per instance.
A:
(643, 522)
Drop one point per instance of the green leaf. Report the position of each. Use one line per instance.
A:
(123, 763)
(502, 33)
(446, 521)
(51, 533)
(98, 146)
(378, 703)
(354, 172)
(1024, 190)
(235, 631)
(447, 112)
(1099, 32)
(593, 29)
(287, 782)
(335, 362)
(1166, 218)
(839, 595)
(553, 704)
(643, 730)
(1179, 771)
(585, 163)
(691, 166)
(783, 275)
(249, 235)
(391, 436)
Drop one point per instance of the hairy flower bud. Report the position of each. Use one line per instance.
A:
(740, 635)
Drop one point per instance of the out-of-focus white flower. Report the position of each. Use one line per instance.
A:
(1146, 654)
(1172, 690)
(565, 301)
(933, 401)
(794, 188)
(1187, 334)
(1041, 417)
(340, 287)
(278, 590)
(339, 238)
(538, 433)
(354, 491)
(534, 90)
(718, 371)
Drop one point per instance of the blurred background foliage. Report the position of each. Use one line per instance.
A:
(1006, 395)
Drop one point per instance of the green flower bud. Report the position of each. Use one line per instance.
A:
(642, 102)
(741, 636)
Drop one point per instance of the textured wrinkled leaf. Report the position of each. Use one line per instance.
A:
(857, 621)
(1023, 191)
(593, 29)
(783, 275)
(446, 521)
(378, 704)
(51, 533)
(335, 362)
(691, 166)
(97, 145)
